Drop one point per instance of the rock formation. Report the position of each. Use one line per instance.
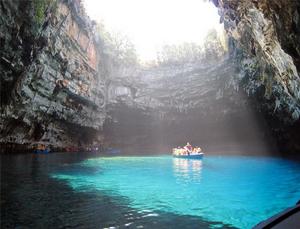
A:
(163, 106)
(265, 44)
(58, 85)
(52, 76)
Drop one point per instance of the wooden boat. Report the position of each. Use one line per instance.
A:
(183, 153)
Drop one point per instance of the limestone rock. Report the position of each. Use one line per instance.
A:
(59, 89)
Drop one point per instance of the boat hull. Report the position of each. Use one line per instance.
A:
(39, 151)
(196, 156)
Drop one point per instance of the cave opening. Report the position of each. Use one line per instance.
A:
(176, 57)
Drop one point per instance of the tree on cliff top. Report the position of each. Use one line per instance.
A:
(117, 46)
(213, 48)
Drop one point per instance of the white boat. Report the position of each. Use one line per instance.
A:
(190, 156)
(183, 153)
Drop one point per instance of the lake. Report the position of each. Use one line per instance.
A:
(90, 191)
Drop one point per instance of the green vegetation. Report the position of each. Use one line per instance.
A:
(213, 48)
(186, 52)
(40, 6)
(39, 10)
(118, 47)
(121, 50)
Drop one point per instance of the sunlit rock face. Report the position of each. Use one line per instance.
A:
(161, 107)
(264, 38)
(52, 80)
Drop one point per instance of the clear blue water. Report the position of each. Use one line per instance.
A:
(238, 191)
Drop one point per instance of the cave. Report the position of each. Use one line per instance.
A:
(228, 94)
(101, 122)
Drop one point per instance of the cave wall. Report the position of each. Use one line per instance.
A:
(59, 87)
(156, 108)
(52, 75)
(264, 42)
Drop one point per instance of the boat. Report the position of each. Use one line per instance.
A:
(190, 156)
(288, 218)
(196, 153)
(113, 151)
(39, 151)
(40, 148)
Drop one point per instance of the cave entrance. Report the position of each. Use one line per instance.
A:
(174, 56)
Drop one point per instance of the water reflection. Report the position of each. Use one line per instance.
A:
(187, 169)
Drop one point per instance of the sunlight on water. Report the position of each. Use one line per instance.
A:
(235, 190)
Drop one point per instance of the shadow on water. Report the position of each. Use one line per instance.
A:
(30, 198)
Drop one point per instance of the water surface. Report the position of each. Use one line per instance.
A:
(80, 190)
(236, 191)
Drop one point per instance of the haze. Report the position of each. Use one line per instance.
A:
(151, 24)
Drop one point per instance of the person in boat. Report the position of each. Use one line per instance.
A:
(188, 148)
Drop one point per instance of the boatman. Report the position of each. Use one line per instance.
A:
(188, 148)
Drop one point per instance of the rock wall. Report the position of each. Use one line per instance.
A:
(264, 38)
(60, 87)
(266, 33)
(159, 107)
(52, 75)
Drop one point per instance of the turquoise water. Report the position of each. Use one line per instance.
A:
(236, 190)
